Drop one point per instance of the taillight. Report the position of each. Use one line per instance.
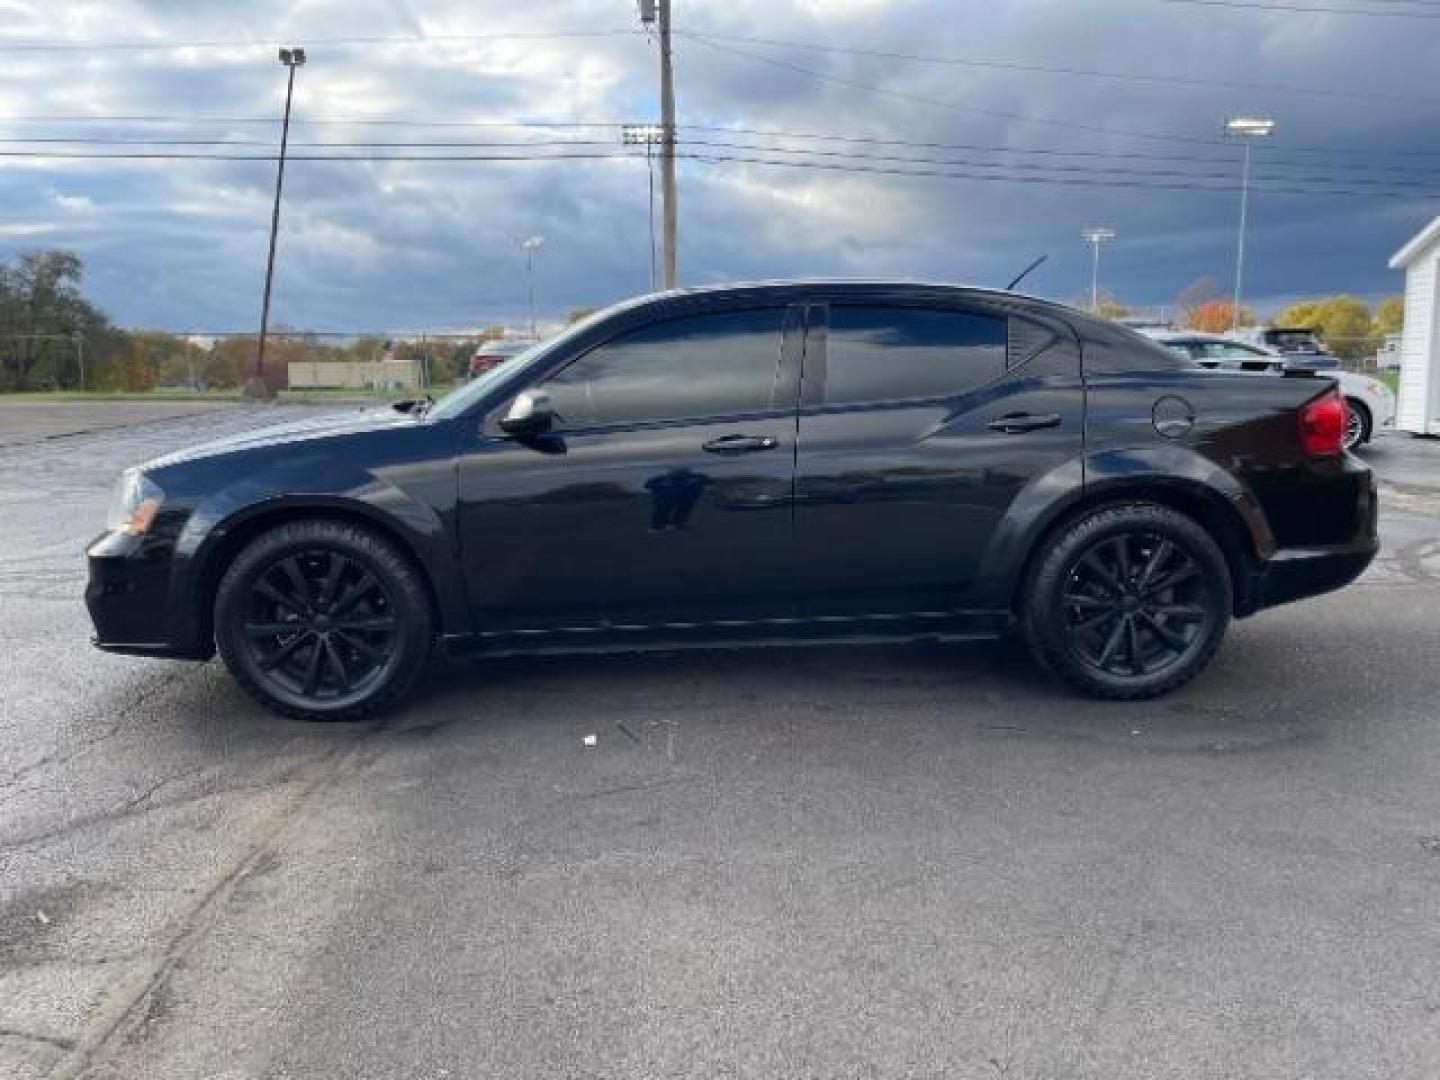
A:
(1322, 425)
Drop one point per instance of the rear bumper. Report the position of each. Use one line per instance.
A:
(1293, 573)
(1296, 574)
(128, 596)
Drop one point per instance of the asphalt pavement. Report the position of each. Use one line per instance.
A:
(879, 862)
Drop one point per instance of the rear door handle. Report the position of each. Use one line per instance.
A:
(1019, 423)
(739, 444)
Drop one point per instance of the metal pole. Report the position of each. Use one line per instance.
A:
(1095, 274)
(667, 146)
(80, 357)
(530, 281)
(650, 168)
(1240, 243)
(260, 387)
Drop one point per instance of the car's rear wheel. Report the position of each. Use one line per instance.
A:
(1129, 601)
(1357, 423)
(323, 620)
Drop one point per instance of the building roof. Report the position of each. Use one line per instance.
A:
(1418, 245)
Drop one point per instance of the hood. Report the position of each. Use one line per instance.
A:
(330, 425)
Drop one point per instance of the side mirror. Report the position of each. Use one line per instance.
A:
(529, 414)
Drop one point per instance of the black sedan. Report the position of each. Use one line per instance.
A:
(770, 464)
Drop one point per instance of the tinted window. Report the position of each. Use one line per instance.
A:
(700, 365)
(1226, 350)
(885, 353)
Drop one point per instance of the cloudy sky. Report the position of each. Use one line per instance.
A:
(1019, 123)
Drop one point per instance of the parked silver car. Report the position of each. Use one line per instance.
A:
(1370, 406)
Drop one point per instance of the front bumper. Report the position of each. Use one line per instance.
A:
(128, 596)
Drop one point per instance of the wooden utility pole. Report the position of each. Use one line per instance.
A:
(667, 149)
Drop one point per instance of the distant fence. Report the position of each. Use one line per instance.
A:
(357, 375)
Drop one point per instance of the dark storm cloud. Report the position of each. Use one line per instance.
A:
(181, 243)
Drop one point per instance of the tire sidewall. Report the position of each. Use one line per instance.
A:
(404, 590)
(1044, 616)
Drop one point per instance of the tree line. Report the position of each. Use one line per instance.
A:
(53, 338)
(1351, 328)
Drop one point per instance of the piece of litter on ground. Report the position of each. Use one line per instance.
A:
(42, 918)
(1134, 731)
(591, 740)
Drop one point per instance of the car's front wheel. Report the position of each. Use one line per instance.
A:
(323, 620)
(1129, 601)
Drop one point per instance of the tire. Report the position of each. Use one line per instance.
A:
(1357, 423)
(323, 620)
(1092, 613)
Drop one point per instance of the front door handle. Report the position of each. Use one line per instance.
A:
(1019, 423)
(739, 444)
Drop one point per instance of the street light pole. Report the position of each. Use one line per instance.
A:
(291, 58)
(667, 148)
(530, 245)
(1096, 236)
(1245, 128)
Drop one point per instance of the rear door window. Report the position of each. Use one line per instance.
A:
(892, 353)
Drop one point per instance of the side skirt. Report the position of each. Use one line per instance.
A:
(668, 637)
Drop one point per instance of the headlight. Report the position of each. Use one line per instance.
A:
(133, 504)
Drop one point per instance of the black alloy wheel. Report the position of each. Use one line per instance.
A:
(1133, 604)
(1130, 602)
(325, 620)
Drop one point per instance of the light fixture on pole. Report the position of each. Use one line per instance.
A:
(649, 136)
(1244, 128)
(292, 58)
(530, 245)
(1096, 236)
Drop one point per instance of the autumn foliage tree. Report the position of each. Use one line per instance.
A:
(1202, 306)
(1343, 320)
(1215, 316)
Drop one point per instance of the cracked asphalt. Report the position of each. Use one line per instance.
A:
(899, 862)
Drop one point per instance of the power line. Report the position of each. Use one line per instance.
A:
(1054, 181)
(1226, 176)
(1055, 175)
(1100, 155)
(1047, 69)
(615, 124)
(1282, 7)
(1118, 155)
(1049, 121)
(203, 118)
(163, 155)
(144, 45)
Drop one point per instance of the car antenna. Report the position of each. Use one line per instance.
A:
(1025, 273)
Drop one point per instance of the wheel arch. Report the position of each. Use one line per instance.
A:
(1214, 512)
(231, 536)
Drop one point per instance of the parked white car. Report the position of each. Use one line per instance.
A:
(1370, 404)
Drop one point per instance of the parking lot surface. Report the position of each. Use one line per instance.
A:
(900, 862)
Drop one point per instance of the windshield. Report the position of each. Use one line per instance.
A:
(462, 397)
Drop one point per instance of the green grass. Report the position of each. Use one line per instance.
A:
(1391, 378)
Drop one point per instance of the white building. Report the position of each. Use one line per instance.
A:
(1418, 407)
